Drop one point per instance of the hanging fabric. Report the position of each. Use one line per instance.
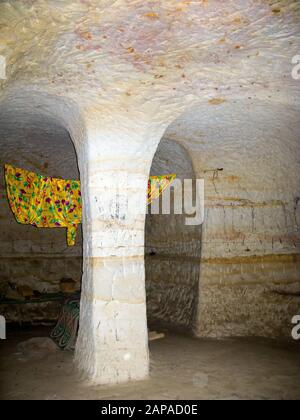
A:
(47, 202)
(44, 202)
(157, 185)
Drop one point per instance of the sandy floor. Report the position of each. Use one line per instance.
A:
(181, 368)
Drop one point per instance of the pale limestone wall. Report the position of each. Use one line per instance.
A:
(116, 74)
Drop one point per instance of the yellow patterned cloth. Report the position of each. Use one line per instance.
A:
(47, 202)
(157, 185)
(44, 201)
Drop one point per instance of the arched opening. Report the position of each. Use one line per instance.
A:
(35, 132)
(172, 251)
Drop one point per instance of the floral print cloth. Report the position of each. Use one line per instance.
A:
(44, 201)
(157, 185)
(47, 202)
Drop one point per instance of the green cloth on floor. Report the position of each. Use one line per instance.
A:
(65, 332)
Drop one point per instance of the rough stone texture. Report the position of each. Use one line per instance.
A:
(37, 348)
(116, 74)
(172, 252)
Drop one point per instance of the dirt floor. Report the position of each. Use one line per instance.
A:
(181, 368)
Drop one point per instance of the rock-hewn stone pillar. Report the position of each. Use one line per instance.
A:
(112, 346)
